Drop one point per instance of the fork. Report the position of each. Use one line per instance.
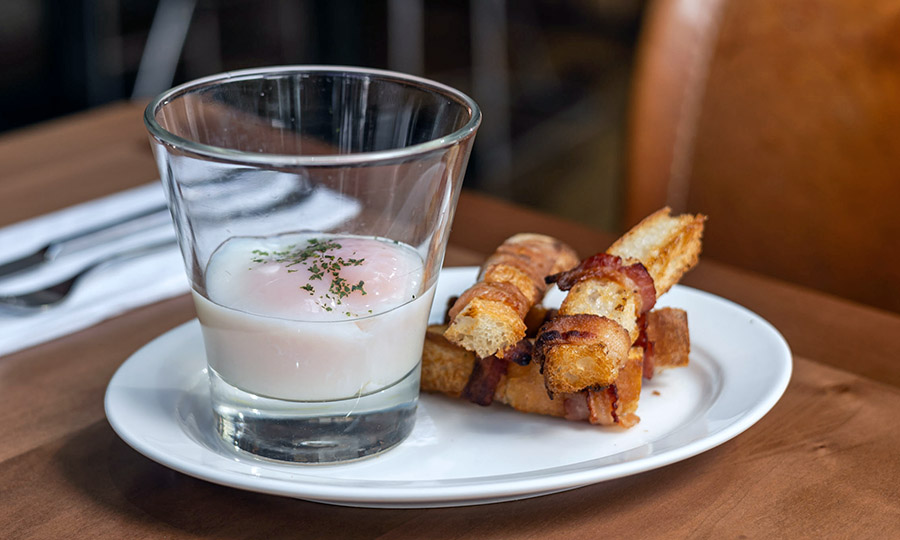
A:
(52, 295)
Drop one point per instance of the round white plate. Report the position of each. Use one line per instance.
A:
(460, 453)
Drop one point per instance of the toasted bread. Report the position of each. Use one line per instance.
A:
(668, 246)
(489, 317)
(445, 366)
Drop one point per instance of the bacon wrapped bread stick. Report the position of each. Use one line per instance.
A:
(587, 344)
(448, 369)
(488, 318)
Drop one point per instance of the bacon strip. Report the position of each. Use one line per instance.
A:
(646, 345)
(604, 265)
(602, 405)
(590, 331)
(520, 353)
(484, 379)
(573, 329)
(506, 293)
(487, 372)
(576, 406)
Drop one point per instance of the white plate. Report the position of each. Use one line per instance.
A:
(459, 453)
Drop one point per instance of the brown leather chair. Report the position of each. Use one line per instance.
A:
(781, 121)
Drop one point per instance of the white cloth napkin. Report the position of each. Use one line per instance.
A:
(122, 284)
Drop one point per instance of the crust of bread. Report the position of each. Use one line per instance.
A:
(628, 388)
(523, 390)
(668, 246)
(445, 367)
(500, 273)
(485, 327)
(606, 298)
(572, 368)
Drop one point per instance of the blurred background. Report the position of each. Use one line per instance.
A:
(552, 77)
(776, 119)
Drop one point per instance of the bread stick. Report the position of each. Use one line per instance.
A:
(588, 343)
(489, 317)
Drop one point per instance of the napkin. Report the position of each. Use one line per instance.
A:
(120, 284)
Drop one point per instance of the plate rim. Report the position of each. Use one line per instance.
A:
(430, 493)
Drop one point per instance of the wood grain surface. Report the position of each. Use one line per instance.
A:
(824, 463)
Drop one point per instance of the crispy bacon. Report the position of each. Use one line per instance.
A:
(604, 265)
(519, 353)
(576, 406)
(484, 379)
(602, 405)
(582, 328)
(531, 258)
(597, 406)
(643, 342)
(506, 293)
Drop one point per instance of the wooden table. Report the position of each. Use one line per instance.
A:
(825, 462)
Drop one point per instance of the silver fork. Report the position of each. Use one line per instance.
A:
(52, 295)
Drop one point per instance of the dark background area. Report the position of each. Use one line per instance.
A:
(551, 76)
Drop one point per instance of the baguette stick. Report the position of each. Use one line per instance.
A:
(489, 317)
(668, 246)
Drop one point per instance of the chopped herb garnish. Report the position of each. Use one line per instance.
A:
(359, 287)
(318, 258)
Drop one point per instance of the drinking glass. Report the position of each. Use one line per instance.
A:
(312, 206)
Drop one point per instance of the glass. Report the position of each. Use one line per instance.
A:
(312, 207)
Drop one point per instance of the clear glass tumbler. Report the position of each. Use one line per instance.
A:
(312, 206)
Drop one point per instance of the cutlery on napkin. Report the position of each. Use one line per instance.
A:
(111, 290)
